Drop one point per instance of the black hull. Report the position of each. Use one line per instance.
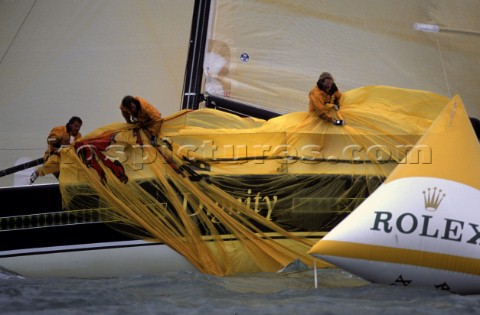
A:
(37, 220)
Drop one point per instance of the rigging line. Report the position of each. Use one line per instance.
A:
(18, 31)
(443, 66)
(429, 13)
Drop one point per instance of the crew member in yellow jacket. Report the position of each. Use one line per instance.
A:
(137, 110)
(58, 137)
(324, 96)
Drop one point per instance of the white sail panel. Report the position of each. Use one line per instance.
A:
(286, 45)
(65, 58)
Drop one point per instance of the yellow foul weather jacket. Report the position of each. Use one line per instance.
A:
(319, 100)
(148, 116)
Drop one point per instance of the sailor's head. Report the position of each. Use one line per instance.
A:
(325, 81)
(131, 103)
(74, 125)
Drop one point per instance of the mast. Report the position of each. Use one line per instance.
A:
(194, 69)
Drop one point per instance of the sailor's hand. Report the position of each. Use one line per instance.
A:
(338, 122)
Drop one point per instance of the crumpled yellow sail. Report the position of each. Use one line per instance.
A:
(236, 195)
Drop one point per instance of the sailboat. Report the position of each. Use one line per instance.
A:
(248, 182)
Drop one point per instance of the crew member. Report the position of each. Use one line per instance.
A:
(137, 110)
(324, 93)
(59, 137)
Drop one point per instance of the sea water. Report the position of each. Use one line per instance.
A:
(287, 292)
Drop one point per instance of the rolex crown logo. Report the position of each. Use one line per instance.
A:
(432, 198)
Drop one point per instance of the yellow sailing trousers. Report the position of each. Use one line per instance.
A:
(51, 166)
